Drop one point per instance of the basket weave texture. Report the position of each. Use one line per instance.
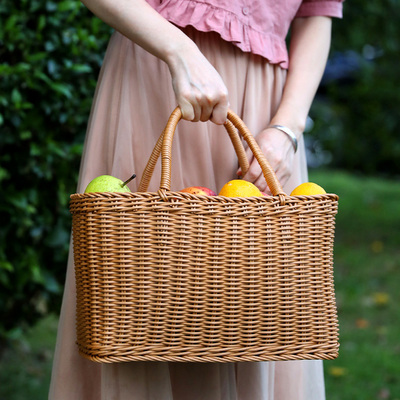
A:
(171, 276)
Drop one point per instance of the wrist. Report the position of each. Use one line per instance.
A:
(178, 50)
(288, 132)
(296, 126)
(291, 116)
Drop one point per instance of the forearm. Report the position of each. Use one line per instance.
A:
(139, 22)
(309, 48)
(200, 92)
(308, 53)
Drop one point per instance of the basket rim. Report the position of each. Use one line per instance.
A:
(183, 195)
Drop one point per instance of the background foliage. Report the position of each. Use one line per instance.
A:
(356, 111)
(50, 55)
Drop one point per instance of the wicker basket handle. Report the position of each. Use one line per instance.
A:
(166, 150)
(233, 135)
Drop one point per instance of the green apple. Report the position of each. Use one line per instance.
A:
(107, 183)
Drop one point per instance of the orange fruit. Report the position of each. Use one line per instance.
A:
(240, 188)
(307, 189)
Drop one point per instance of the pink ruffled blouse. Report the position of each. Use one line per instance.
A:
(256, 26)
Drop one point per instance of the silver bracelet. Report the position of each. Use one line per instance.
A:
(288, 132)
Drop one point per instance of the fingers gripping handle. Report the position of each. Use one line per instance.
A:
(269, 174)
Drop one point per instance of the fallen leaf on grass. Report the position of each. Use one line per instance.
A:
(380, 298)
(384, 394)
(362, 323)
(377, 246)
(337, 372)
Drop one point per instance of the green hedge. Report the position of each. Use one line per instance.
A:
(50, 56)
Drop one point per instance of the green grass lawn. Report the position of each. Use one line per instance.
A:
(25, 366)
(367, 265)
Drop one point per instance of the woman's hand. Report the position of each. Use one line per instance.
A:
(199, 89)
(200, 92)
(279, 152)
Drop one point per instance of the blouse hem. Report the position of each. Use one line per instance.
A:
(208, 18)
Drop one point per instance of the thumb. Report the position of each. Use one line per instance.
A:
(186, 110)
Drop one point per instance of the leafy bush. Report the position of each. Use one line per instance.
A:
(50, 56)
(356, 112)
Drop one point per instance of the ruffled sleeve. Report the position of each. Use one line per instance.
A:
(233, 21)
(326, 8)
(256, 26)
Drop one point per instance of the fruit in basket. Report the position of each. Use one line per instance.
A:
(307, 189)
(240, 188)
(199, 190)
(108, 183)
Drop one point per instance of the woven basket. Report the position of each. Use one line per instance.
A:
(171, 276)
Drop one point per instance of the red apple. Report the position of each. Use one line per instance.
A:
(199, 190)
(264, 194)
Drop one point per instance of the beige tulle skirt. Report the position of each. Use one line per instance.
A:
(132, 103)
